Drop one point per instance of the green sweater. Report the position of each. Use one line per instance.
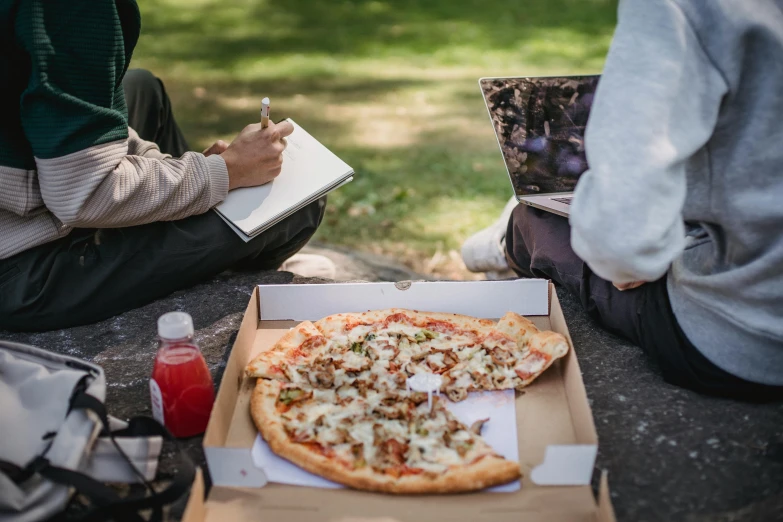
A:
(67, 156)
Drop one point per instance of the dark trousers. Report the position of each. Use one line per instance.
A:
(91, 274)
(538, 244)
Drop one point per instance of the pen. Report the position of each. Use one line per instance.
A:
(265, 113)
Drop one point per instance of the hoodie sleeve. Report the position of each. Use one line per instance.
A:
(656, 105)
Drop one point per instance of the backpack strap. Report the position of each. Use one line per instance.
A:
(107, 504)
(100, 495)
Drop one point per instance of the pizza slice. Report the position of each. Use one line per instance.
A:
(306, 357)
(386, 347)
(378, 442)
(512, 355)
(471, 354)
(298, 348)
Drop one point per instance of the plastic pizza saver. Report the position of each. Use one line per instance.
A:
(425, 382)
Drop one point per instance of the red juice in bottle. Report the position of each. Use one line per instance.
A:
(181, 387)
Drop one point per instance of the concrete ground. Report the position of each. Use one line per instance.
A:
(672, 455)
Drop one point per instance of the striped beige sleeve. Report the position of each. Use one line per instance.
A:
(105, 187)
(140, 147)
(18, 234)
(19, 192)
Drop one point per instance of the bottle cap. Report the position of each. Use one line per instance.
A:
(175, 325)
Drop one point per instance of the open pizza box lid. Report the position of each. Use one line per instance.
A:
(556, 435)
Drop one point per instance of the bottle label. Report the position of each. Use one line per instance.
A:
(156, 398)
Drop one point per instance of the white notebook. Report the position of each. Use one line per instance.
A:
(309, 171)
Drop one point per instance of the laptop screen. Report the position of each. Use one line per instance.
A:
(540, 125)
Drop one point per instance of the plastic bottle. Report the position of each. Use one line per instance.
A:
(181, 386)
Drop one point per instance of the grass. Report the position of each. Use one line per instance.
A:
(390, 86)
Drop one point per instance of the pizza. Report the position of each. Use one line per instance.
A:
(331, 396)
(376, 442)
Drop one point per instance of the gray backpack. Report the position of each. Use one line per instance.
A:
(56, 440)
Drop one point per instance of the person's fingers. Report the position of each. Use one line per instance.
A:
(628, 286)
(275, 162)
(253, 127)
(285, 128)
(219, 147)
(271, 133)
(272, 163)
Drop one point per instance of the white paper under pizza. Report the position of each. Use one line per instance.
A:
(500, 433)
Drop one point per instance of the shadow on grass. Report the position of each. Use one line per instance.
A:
(204, 108)
(222, 34)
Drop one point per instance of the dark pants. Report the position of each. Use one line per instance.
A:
(91, 274)
(538, 244)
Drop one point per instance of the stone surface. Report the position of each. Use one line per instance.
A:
(672, 455)
(362, 266)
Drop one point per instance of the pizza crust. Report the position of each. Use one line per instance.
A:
(549, 346)
(336, 324)
(519, 328)
(487, 472)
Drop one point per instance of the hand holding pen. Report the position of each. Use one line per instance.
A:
(255, 157)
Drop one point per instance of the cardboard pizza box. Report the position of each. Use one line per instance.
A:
(557, 440)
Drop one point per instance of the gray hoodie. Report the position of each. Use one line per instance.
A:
(685, 146)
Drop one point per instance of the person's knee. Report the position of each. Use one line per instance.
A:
(140, 82)
(299, 227)
(535, 239)
(516, 248)
(271, 248)
(523, 215)
(320, 210)
(144, 93)
(310, 217)
(304, 223)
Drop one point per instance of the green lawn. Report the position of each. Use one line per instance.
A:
(390, 86)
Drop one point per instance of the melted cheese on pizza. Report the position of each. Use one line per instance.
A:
(382, 355)
(392, 434)
(386, 354)
(387, 347)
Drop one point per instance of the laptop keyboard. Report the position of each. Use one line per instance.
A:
(566, 200)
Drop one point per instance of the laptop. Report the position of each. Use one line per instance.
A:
(540, 124)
